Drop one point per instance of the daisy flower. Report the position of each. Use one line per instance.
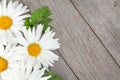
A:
(36, 46)
(8, 59)
(11, 19)
(27, 72)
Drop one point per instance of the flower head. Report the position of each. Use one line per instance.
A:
(36, 46)
(11, 19)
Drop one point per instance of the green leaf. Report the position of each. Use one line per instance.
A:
(26, 23)
(51, 73)
(39, 16)
(53, 76)
(46, 21)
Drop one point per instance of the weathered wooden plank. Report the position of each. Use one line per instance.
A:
(104, 18)
(81, 49)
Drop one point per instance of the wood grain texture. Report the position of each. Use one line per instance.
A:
(103, 16)
(81, 49)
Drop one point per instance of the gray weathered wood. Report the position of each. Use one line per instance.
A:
(103, 16)
(81, 49)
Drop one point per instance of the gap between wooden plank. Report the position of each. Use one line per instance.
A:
(95, 33)
(68, 65)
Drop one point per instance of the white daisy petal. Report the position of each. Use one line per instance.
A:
(39, 32)
(39, 46)
(1, 9)
(4, 2)
(27, 73)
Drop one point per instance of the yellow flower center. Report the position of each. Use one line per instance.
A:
(5, 22)
(3, 64)
(34, 49)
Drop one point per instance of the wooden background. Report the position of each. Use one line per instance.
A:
(89, 31)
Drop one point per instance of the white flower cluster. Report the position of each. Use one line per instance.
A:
(23, 52)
